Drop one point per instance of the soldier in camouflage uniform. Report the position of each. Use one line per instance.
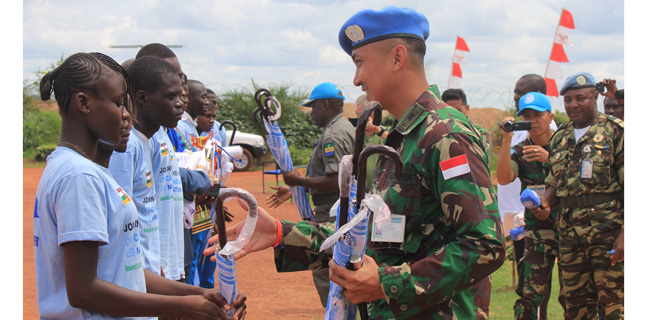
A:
(528, 160)
(457, 99)
(453, 238)
(586, 183)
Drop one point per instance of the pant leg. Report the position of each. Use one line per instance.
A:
(579, 287)
(608, 279)
(198, 244)
(537, 273)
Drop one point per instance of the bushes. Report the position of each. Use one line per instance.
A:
(41, 130)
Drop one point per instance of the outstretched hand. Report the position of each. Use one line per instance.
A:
(278, 197)
(263, 237)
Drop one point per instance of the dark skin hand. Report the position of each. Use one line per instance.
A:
(165, 298)
(549, 201)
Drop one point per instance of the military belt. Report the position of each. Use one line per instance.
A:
(589, 200)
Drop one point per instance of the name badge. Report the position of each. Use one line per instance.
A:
(586, 168)
(393, 231)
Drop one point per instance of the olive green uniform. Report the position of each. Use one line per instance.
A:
(453, 238)
(590, 215)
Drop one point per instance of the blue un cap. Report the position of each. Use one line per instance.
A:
(368, 26)
(578, 81)
(536, 101)
(325, 90)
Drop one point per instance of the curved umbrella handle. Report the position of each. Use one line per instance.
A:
(249, 226)
(363, 162)
(263, 99)
(374, 109)
(234, 129)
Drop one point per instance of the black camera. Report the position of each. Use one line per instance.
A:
(516, 126)
(600, 87)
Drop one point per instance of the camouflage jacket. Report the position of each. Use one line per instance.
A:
(603, 144)
(530, 174)
(487, 140)
(453, 235)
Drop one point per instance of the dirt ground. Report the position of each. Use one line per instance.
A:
(271, 295)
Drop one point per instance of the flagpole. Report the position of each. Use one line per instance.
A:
(451, 71)
(553, 45)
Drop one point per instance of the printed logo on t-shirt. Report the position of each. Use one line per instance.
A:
(163, 149)
(125, 198)
(148, 175)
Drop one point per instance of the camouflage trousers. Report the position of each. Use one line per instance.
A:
(587, 273)
(536, 274)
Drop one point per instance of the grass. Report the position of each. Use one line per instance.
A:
(31, 163)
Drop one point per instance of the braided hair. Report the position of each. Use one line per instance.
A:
(79, 72)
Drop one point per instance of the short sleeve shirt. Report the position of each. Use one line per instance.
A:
(78, 200)
(132, 170)
(169, 194)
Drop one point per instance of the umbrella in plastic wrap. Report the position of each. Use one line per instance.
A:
(350, 238)
(279, 147)
(225, 257)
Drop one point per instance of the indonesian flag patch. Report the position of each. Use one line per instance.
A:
(125, 198)
(454, 167)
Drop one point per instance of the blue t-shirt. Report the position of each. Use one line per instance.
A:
(187, 130)
(219, 135)
(78, 200)
(133, 171)
(169, 194)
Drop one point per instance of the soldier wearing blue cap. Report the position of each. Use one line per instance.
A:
(449, 237)
(528, 161)
(445, 195)
(585, 184)
(337, 140)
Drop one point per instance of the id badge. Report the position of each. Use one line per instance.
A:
(540, 189)
(392, 231)
(586, 168)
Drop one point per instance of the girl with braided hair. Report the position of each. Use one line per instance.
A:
(88, 254)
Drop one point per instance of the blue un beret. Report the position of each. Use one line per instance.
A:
(368, 26)
(578, 81)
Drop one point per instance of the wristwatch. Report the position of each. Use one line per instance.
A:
(380, 132)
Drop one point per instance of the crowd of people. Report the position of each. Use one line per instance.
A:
(126, 248)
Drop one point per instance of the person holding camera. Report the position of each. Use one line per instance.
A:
(586, 184)
(528, 160)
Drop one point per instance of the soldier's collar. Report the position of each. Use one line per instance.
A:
(419, 110)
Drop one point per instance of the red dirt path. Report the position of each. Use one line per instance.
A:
(271, 295)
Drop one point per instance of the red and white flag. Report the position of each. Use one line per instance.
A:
(454, 167)
(553, 70)
(458, 59)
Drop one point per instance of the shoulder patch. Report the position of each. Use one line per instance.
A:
(329, 149)
(616, 120)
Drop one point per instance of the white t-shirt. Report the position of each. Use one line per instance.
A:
(78, 200)
(133, 171)
(580, 132)
(169, 194)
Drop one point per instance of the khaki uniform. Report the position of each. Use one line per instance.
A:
(590, 215)
(336, 141)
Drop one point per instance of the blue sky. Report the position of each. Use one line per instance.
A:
(228, 43)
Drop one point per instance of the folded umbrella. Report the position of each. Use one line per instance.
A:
(279, 147)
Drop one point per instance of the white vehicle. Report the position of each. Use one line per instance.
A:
(253, 147)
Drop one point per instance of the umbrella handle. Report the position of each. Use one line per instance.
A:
(363, 162)
(234, 129)
(263, 110)
(374, 109)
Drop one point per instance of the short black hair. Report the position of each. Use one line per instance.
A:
(537, 83)
(619, 94)
(454, 94)
(79, 72)
(156, 50)
(147, 72)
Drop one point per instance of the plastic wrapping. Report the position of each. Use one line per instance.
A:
(249, 225)
(227, 278)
